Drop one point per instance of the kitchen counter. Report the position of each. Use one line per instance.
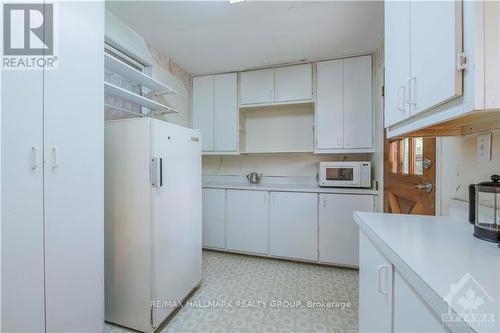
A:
(288, 188)
(432, 253)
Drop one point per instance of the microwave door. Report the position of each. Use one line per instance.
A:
(342, 175)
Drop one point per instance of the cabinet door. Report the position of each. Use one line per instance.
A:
(203, 110)
(22, 201)
(411, 313)
(397, 60)
(436, 39)
(73, 186)
(293, 225)
(375, 288)
(257, 87)
(247, 226)
(293, 83)
(338, 234)
(358, 117)
(329, 119)
(226, 112)
(214, 218)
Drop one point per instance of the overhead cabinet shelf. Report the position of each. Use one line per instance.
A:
(136, 76)
(113, 90)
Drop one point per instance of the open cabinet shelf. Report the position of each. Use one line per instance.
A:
(114, 90)
(136, 76)
(283, 130)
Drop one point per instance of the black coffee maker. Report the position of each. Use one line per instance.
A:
(484, 209)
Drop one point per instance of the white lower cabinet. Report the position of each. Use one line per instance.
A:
(337, 233)
(247, 225)
(214, 218)
(375, 288)
(411, 313)
(293, 225)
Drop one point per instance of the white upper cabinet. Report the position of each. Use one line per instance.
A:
(358, 123)
(226, 112)
(435, 42)
(276, 85)
(330, 105)
(441, 67)
(203, 109)
(397, 54)
(293, 83)
(343, 117)
(215, 112)
(257, 87)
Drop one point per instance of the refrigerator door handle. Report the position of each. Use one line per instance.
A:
(161, 172)
(156, 172)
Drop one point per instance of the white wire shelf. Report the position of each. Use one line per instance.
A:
(116, 91)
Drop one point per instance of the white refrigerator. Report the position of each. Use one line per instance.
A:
(152, 221)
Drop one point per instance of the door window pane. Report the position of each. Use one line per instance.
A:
(418, 154)
(405, 156)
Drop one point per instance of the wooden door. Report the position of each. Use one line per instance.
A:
(257, 87)
(410, 172)
(335, 222)
(358, 116)
(375, 288)
(214, 218)
(247, 226)
(329, 122)
(397, 60)
(293, 225)
(435, 42)
(226, 113)
(293, 83)
(203, 110)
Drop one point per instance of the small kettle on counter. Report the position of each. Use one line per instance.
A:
(254, 177)
(484, 209)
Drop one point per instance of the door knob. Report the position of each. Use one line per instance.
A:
(426, 187)
(427, 163)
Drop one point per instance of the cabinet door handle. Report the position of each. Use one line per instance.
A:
(54, 156)
(277, 94)
(34, 158)
(379, 279)
(347, 140)
(271, 94)
(401, 108)
(412, 94)
(324, 201)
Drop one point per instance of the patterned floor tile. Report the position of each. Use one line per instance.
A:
(268, 295)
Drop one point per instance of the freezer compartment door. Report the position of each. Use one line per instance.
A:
(176, 209)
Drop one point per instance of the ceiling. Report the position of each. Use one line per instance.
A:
(216, 36)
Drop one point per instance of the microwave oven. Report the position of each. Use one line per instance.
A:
(344, 174)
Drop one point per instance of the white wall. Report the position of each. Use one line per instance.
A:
(303, 165)
(121, 35)
(459, 167)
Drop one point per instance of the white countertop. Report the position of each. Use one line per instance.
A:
(288, 188)
(433, 252)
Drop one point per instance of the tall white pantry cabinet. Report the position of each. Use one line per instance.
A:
(52, 183)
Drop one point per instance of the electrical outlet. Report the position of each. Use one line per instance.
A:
(483, 148)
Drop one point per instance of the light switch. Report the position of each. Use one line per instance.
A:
(483, 149)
